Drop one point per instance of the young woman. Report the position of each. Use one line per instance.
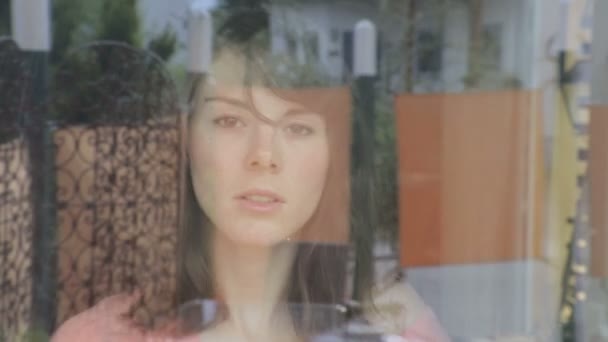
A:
(267, 174)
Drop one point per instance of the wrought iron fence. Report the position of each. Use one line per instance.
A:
(16, 224)
(114, 125)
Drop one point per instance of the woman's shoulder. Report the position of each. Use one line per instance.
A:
(106, 319)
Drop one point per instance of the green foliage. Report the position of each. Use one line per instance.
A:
(32, 335)
(79, 22)
(289, 73)
(67, 18)
(35, 336)
(180, 77)
(243, 24)
(239, 4)
(482, 46)
(386, 171)
(164, 44)
(71, 99)
(119, 22)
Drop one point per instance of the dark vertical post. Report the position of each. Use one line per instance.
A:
(32, 29)
(363, 213)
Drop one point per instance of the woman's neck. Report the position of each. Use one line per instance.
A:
(251, 280)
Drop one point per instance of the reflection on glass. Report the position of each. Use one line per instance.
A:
(314, 322)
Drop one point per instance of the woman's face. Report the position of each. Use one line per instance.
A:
(258, 162)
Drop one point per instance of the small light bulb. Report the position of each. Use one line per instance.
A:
(565, 314)
(581, 243)
(580, 269)
(581, 296)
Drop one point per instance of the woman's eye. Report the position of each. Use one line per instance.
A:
(299, 129)
(228, 122)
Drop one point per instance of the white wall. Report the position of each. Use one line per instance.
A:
(490, 300)
(515, 19)
(455, 51)
(509, 15)
(298, 19)
(514, 16)
(322, 18)
(339, 17)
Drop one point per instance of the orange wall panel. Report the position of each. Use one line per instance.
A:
(464, 177)
(419, 146)
(331, 224)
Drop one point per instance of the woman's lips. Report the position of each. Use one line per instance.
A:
(261, 201)
(261, 207)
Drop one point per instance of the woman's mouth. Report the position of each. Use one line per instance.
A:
(260, 201)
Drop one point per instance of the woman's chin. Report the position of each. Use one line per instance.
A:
(257, 237)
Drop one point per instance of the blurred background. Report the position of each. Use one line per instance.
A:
(490, 150)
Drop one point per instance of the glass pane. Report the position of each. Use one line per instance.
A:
(278, 170)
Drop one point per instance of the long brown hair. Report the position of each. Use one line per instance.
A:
(318, 273)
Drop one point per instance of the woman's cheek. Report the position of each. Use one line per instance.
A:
(203, 172)
(205, 148)
(314, 164)
(310, 179)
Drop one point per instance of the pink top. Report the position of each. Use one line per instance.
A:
(102, 323)
(425, 328)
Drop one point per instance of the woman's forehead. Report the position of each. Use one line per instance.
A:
(253, 95)
(249, 79)
(271, 102)
(232, 67)
(261, 97)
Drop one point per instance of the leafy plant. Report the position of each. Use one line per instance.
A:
(119, 22)
(164, 44)
(35, 336)
(386, 166)
(5, 17)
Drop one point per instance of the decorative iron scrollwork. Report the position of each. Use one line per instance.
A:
(117, 162)
(16, 224)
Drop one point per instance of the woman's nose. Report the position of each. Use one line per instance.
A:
(263, 152)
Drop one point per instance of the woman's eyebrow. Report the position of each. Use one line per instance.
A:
(239, 103)
(229, 100)
(300, 111)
